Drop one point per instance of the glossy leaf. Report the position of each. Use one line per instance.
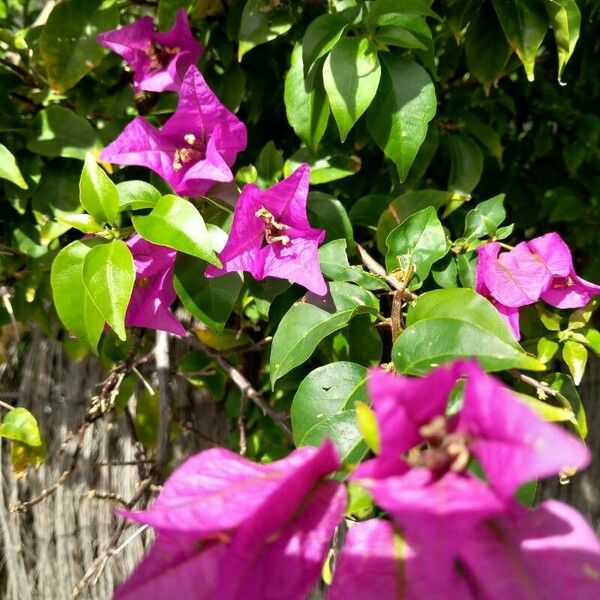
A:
(261, 22)
(97, 193)
(325, 391)
(134, 195)
(565, 19)
(381, 12)
(9, 168)
(575, 356)
(68, 41)
(73, 303)
(58, 131)
(416, 244)
(404, 104)
(308, 322)
(443, 325)
(176, 223)
(351, 75)
(485, 218)
(210, 300)
(320, 37)
(524, 23)
(108, 276)
(307, 110)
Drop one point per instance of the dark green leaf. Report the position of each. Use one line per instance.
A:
(381, 12)
(68, 42)
(404, 104)
(467, 165)
(9, 168)
(484, 219)
(310, 321)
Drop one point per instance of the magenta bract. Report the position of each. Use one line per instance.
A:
(159, 60)
(195, 147)
(153, 291)
(271, 237)
(234, 525)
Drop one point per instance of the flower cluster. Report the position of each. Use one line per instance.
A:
(539, 269)
(228, 528)
(192, 151)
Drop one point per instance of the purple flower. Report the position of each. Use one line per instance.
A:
(547, 553)
(194, 148)
(271, 237)
(228, 528)
(565, 288)
(153, 292)
(512, 443)
(158, 60)
(541, 268)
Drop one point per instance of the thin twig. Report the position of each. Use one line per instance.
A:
(22, 506)
(243, 384)
(122, 463)
(112, 496)
(96, 568)
(373, 266)
(161, 357)
(538, 385)
(6, 405)
(242, 425)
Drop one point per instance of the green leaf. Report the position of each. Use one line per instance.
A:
(147, 417)
(321, 36)
(109, 276)
(167, 9)
(307, 323)
(351, 75)
(307, 110)
(21, 426)
(262, 21)
(398, 36)
(444, 325)
(342, 429)
(549, 412)
(176, 223)
(324, 392)
(575, 356)
(404, 104)
(565, 19)
(328, 213)
(467, 264)
(484, 134)
(403, 207)
(9, 168)
(487, 49)
(269, 165)
(83, 222)
(416, 244)
(569, 396)
(134, 195)
(592, 337)
(524, 23)
(381, 12)
(467, 165)
(367, 423)
(210, 300)
(74, 305)
(367, 210)
(458, 13)
(60, 132)
(68, 41)
(323, 167)
(97, 193)
(335, 266)
(484, 219)
(546, 349)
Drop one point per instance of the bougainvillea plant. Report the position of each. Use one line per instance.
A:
(309, 200)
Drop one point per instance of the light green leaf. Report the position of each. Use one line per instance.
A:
(321, 36)
(416, 244)
(21, 426)
(524, 23)
(565, 19)
(546, 349)
(351, 75)
(404, 104)
(444, 325)
(307, 110)
(403, 207)
(97, 193)
(307, 323)
(60, 132)
(9, 168)
(74, 305)
(263, 21)
(569, 397)
(68, 41)
(575, 356)
(134, 195)
(324, 392)
(210, 300)
(83, 222)
(335, 266)
(176, 223)
(108, 276)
